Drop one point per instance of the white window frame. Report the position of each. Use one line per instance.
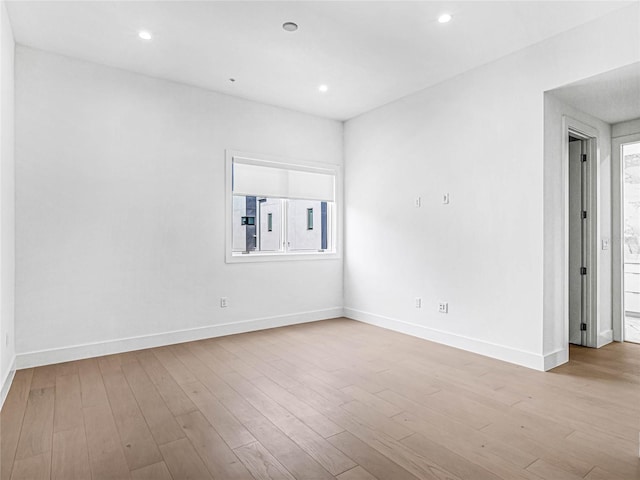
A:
(334, 229)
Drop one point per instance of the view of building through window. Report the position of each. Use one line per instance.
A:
(281, 207)
(631, 172)
(306, 228)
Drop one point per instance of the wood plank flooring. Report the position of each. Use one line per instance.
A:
(333, 399)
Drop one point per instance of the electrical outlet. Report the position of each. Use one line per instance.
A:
(417, 202)
(224, 303)
(443, 307)
(605, 244)
(445, 198)
(418, 302)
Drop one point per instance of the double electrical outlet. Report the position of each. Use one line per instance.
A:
(443, 307)
(417, 201)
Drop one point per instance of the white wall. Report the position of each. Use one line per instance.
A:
(7, 204)
(300, 238)
(625, 128)
(120, 212)
(239, 242)
(478, 137)
(270, 240)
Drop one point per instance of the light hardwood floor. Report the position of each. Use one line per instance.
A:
(334, 399)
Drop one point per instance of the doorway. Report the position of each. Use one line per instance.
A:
(630, 153)
(581, 221)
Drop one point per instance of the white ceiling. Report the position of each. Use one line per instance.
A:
(612, 96)
(368, 53)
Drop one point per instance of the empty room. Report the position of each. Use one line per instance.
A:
(312, 240)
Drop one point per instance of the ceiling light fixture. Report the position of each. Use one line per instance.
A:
(445, 18)
(145, 35)
(232, 80)
(290, 26)
(323, 88)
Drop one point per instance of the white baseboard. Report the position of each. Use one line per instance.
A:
(604, 338)
(6, 382)
(77, 352)
(555, 359)
(500, 352)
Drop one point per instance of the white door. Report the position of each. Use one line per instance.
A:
(576, 257)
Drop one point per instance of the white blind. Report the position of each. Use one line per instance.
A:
(273, 180)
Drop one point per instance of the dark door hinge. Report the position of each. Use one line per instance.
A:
(584, 157)
(583, 270)
(583, 327)
(584, 214)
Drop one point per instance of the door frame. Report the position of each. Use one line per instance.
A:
(578, 129)
(617, 240)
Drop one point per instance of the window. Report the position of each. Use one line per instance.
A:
(280, 209)
(309, 218)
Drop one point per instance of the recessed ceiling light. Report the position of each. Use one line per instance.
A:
(290, 26)
(323, 88)
(445, 18)
(145, 35)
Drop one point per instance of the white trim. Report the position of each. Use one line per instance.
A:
(6, 382)
(280, 162)
(555, 359)
(282, 257)
(617, 243)
(500, 352)
(571, 125)
(87, 350)
(605, 338)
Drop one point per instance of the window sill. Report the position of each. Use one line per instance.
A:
(279, 257)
